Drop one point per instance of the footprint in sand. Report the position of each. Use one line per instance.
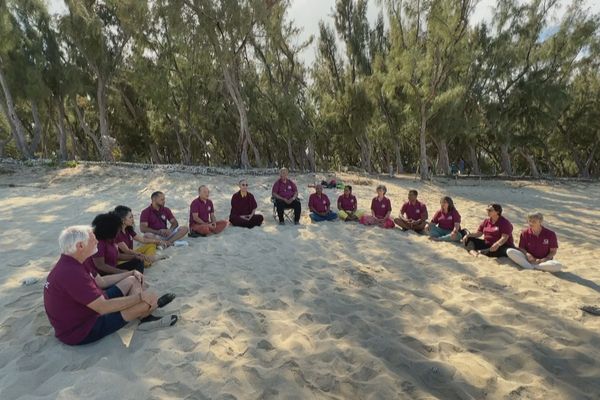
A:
(274, 305)
(265, 345)
(247, 320)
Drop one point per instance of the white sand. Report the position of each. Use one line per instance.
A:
(333, 310)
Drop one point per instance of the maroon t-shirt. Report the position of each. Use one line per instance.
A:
(156, 219)
(347, 203)
(446, 221)
(319, 204)
(109, 250)
(126, 237)
(414, 211)
(69, 288)
(242, 205)
(538, 246)
(493, 232)
(381, 208)
(285, 189)
(203, 208)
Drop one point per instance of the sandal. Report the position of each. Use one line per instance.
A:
(164, 322)
(165, 299)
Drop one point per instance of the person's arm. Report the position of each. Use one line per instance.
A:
(477, 234)
(109, 280)
(125, 253)
(199, 220)
(174, 224)
(212, 217)
(102, 266)
(549, 257)
(424, 215)
(147, 240)
(503, 239)
(455, 230)
(106, 306)
(144, 228)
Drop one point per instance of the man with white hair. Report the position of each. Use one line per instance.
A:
(83, 306)
(285, 194)
(537, 246)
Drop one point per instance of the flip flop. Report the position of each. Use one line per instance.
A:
(165, 299)
(591, 310)
(164, 322)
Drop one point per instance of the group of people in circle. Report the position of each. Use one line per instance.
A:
(98, 285)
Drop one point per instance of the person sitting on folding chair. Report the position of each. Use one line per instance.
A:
(285, 194)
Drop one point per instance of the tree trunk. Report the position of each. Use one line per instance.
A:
(37, 128)
(474, 161)
(17, 128)
(399, 165)
(62, 131)
(424, 169)
(311, 155)
(293, 164)
(505, 161)
(444, 160)
(86, 128)
(106, 140)
(531, 161)
(245, 139)
(365, 153)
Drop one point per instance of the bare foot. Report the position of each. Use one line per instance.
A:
(474, 253)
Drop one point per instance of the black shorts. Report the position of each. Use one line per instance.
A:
(108, 323)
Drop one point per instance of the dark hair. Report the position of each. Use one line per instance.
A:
(122, 211)
(413, 191)
(348, 187)
(156, 194)
(106, 226)
(496, 207)
(450, 202)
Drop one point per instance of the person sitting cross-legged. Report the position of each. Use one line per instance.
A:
(497, 235)
(381, 208)
(445, 224)
(202, 215)
(320, 207)
(537, 246)
(84, 307)
(243, 208)
(348, 206)
(413, 214)
(154, 218)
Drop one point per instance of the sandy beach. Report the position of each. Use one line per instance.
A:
(321, 311)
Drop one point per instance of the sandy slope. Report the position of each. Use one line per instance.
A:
(319, 311)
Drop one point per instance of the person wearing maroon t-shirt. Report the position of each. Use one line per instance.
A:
(413, 214)
(83, 306)
(106, 259)
(445, 224)
(243, 208)
(202, 215)
(320, 207)
(285, 194)
(381, 208)
(497, 235)
(154, 218)
(348, 206)
(537, 247)
(127, 235)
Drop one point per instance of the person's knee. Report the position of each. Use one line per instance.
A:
(184, 230)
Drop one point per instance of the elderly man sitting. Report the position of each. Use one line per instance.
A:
(320, 207)
(83, 306)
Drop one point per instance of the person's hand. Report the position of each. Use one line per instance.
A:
(163, 232)
(452, 234)
(151, 298)
(494, 247)
(138, 275)
(537, 261)
(530, 258)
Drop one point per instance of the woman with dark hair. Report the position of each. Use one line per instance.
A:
(126, 236)
(348, 206)
(497, 235)
(445, 224)
(106, 227)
